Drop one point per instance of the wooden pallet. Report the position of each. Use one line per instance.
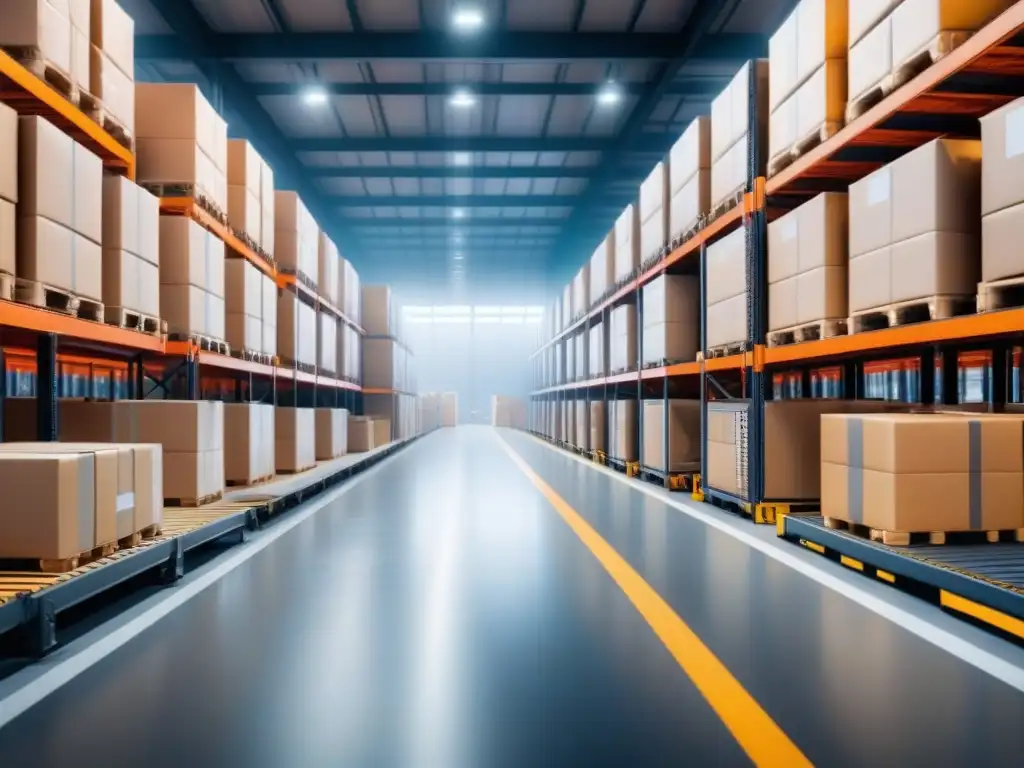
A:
(820, 329)
(32, 59)
(734, 199)
(907, 538)
(1001, 294)
(149, 532)
(726, 350)
(131, 320)
(802, 146)
(287, 362)
(252, 356)
(688, 233)
(97, 112)
(71, 563)
(934, 50)
(301, 277)
(864, 101)
(210, 498)
(187, 189)
(296, 471)
(56, 299)
(249, 483)
(909, 312)
(205, 343)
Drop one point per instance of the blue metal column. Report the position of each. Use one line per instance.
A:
(47, 426)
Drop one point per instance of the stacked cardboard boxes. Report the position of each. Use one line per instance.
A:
(581, 420)
(8, 187)
(598, 351)
(807, 77)
(598, 420)
(331, 433)
(296, 237)
(245, 189)
(689, 168)
(296, 330)
(671, 319)
(380, 314)
(570, 358)
(581, 291)
(192, 285)
(268, 215)
(602, 272)
(682, 438)
(58, 30)
(112, 62)
(251, 456)
(1002, 194)
(350, 350)
(350, 291)
(449, 409)
(327, 343)
(739, 113)
(622, 430)
(131, 249)
(627, 244)
(915, 473)
(59, 212)
(581, 345)
(331, 279)
(653, 212)
(181, 141)
(294, 439)
(244, 286)
(566, 306)
(914, 227)
(622, 339)
(726, 290)
(268, 315)
(807, 263)
(508, 412)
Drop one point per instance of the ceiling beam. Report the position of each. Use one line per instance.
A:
(462, 144)
(707, 87)
(452, 172)
(455, 201)
(548, 46)
(389, 222)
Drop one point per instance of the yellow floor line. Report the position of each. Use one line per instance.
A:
(765, 743)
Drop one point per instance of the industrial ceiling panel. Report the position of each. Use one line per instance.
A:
(544, 186)
(632, 71)
(522, 115)
(606, 122)
(324, 159)
(501, 187)
(552, 159)
(458, 186)
(357, 213)
(430, 158)
(432, 186)
(338, 71)
(345, 187)
(356, 115)
(570, 186)
(395, 71)
(234, 16)
(147, 20)
(401, 159)
(388, 15)
(406, 186)
(306, 16)
(764, 16)
(522, 159)
(405, 115)
(457, 122)
(373, 158)
(588, 72)
(569, 115)
(607, 15)
(385, 212)
(458, 72)
(301, 123)
(664, 15)
(541, 14)
(270, 71)
(529, 72)
(508, 212)
(665, 108)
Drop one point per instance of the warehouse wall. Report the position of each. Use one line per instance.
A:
(476, 352)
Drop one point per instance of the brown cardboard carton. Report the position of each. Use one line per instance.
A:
(627, 246)
(783, 303)
(923, 472)
(112, 30)
(243, 286)
(871, 212)
(598, 414)
(114, 87)
(296, 236)
(726, 460)
(8, 238)
(59, 489)
(622, 354)
(727, 321)
(267, 207)
(269, 293)
(193, 477)
(377, 310)
(726, 268)
(329, 266)
(360, 434)
(381, 432)
(379, 363)
(46, 26)
(179, 111)
(180, 162)
(870, 59)
(622, 430)
(296, 329)
(818, 102)
(823, 232)
(654, 211)
(50, 253)
(683, 437)
(243, 331)
(295, 439)
(1002, 173)
(602, 269)
(186, 309)
(131, 219)
(327, 343)
(870, 280)
(689, 176)
(916, 23)
(130, 283)
(179, 426)
(821, 294)
(8, 154)
(189, 254)
(331, 433)
(244, 213)
(864, 16)
(581, 418)
(251, 456)
(1000, 244)
(784, 247)
(937, 187)
(935, 263)
(244, 168)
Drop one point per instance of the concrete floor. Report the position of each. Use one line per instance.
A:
(442, 613)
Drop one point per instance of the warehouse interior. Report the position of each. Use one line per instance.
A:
(508, 382)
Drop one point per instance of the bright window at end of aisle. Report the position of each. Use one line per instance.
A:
(459, 314)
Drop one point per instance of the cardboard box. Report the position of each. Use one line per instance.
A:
(180, 162)
(597, 356)
(915, 23)
(598, 421)
(268, 290)
(870, 58)
(566, 306)
(251, 458)
(654, 211)
(864, 15)
(730, 172)
(627, 246)
(112, 31)
(48, 509)
(1002, 191)
(296, 236)
(381, 432)
(46, 26)
(690, 177)
(188, 309)
(726, 286)
(180, 426)
(683, 435)
(378, 310)
(732, 116)
(8, 154)
(296, 329)
(622, 430)
(360, 434)
(267, 208)
(331, 433)
(180, 112)
(130, 283)
(816, 30)
(819, 102)
(243, 285)
(243, 331)
(131, 219)
(582, 423)
(671, 329)
(602, 269)
(194, 477)
(245, 168)
(726, 448)
(923, 472)
(581, 291)
(114, 87)
(329, 269)
(622, 354)
(327, 343)
(294, 439)
(379, 369)
(8, 238)
(191, 255)
(782, 56)
(52, 254)
(244, 213)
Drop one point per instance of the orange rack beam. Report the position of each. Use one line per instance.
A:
(680, 369)
(936, 94)
(29, 318)
(28, 95)
(187, 206)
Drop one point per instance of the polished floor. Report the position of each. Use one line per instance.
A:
(442, 613)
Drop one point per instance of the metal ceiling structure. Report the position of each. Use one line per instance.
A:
(508, 194)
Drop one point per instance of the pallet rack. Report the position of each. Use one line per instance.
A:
(946, 99)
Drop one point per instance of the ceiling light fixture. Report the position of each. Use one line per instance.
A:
(467, 19)
(610, 94)
(458, 213)
(462, 99)
(315, 95)
(457, 257)
(461, 158)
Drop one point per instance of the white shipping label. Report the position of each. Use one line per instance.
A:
(786, 227)
(1015, 132)
(879, 184)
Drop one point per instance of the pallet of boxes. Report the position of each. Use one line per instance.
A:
(297, 243)
(385, 362)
